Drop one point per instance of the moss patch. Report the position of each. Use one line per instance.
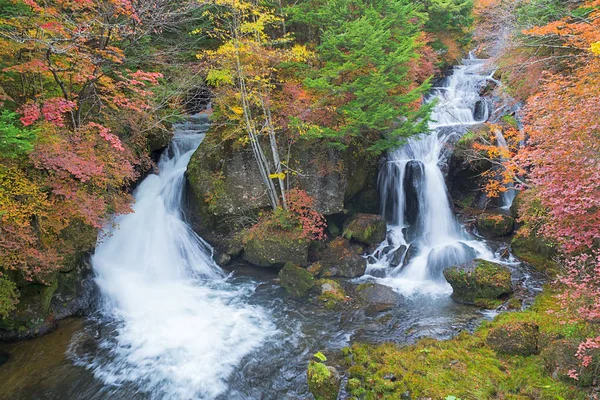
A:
(296, 280)
(465, 367)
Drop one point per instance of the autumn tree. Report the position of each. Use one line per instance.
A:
(244, 73)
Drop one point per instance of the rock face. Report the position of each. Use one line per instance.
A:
(491, 225)
(224, 185)
(45, 300)
(296, 280)
(342, 260)
(559, 358)
(323, 381)
(515, 338)
(274, 251)
(369, 229)
(478, 281)
(376, 297)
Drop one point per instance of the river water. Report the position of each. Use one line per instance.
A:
(171, 324)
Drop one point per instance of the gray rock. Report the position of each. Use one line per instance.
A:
(376, 297)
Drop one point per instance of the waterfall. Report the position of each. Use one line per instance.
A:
(180, 327)
(509, 195)
(424, 237)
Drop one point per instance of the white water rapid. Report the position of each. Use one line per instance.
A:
(423, 235)
(180, 327)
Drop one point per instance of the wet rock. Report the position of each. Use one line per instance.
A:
(376, 297)
(296, 280)
(411, 253)
(342, 260)
(331, 293)
(222, 259)
(442, 258)
(398, 256)
(491, 225)
(413, 180)
(369, 229)
(479, 280)
(535, 251)
(75, 293)
(559, 358)
(323, 381)
(515, 338)
(273, 251)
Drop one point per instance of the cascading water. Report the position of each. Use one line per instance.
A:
(180, 327)
(424, 236)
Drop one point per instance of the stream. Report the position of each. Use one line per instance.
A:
(171, 324)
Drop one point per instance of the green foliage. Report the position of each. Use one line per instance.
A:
(8, 296)
(540, 12)
(367, 48)
(15, 140)
(448, 15)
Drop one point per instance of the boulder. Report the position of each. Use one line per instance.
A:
(376, 297)
(515, 338)
(274, 251)
(342, 260)
(323, 381)
(478, 280)
(559, 358)
(296, 280)
(369, 229)
(491, 225)
(331, 293)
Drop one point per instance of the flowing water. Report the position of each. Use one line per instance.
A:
(172, 325)
(424, 236)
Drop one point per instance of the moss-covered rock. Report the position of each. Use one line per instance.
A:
(376, 297)
(535, 251)
(323, 381)
(491, 225)
(342, 260)
(478, 280)
(560, 358)
(296, 280)
(515, 338)
(31, 316)
(369, 229)
(331, 293)
(274, 251)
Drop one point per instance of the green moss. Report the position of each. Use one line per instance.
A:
(323, 381)
(296, 280)
(332, 295)
(536, 252)
(8, 296)
(510, 120)
(464, 367)
(369, 229)
(479, 283)
(494, 225)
